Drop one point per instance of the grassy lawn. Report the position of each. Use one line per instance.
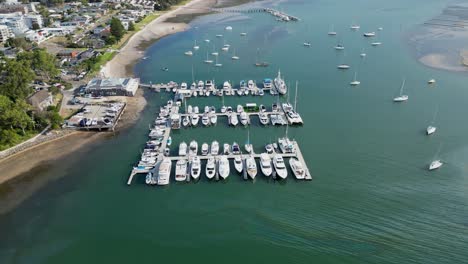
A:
(138, 27)
(101, 61)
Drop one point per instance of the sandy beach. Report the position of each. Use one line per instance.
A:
(121, 64)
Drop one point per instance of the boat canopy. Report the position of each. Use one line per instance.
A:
(267, 80)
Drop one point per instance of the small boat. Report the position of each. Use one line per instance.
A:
(244, 118)
(229, 109)
(210, 169)
(208, 61)
(193, 148)
(355, 27)
(240, 109)
(280, 168)
(430, 130)
(214, 148)
(376, 43)
(431, 81)
(183, 149)
(226, 149)
(207, 40)
(369, 34)
(251, 167)
(205, 149)
(297, 168)
(223, 167)
(195, 46)
(307, 44)
(238, 164)
(188, 53)
(228, 28)
(343, 66)
(339, 47)
(233, 120)
(265, 164)
(217, 64)
(169, 141)
(269, 149)
(243, 34)
(401, 97)
(234, 56)
(195, 167)
(435, 165)
(148, 178)
(225, 48)
(164, 69)
(248, 148)
(235, 149)
(206, 120)
(223, 109)
(262, 108)
(332, 32)
(167, 151)
(219, 36)
(181, 170)
(186, 121)
(164, 171)
(380, 28)
(280, 84)
(213, 118)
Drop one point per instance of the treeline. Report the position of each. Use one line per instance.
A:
(18, 120)
(165, 4)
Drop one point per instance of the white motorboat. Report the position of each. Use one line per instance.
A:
(264, 119)
(235, 149)
(267, 83)
(251, 167)
(210, 169)
(205, 149)
(435, 165)
(214, 148)
(251, 84)
(239, 109)
(430, 130)
(226, 85)
(148, 178)
(193, 148)
(228, 28)
(297, 168)
(280, 85)
(280, 167)
(195, 119)
(248, 148)
(217, 64)
(223, 167)
(183, 149)
(219, 36)
(431, 81)
(369, 34)
(223, 109)
(244, 118)
(213, 118)
(401, 97)
(226, 149)
(164, 171)
(265, 164)
(186, 121)
(233, 120)
(181, 170)
(183, 86)
(188, 53)
(206, 120)
(207, 40)
(195, 167)
(238, 163)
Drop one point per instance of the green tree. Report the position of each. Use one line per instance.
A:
(131, 26)
(42, 62)
(15, 84)
(21, 43)
(35, 26)
(116, 28)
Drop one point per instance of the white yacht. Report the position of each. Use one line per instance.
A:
(210, 169)
(238, 163)
(186, 121)
(369, 34)
(280, 167)
(233, 120)
(213, 118)
(239, 109)
(234, 56)
(236, 149)
(297, 168)
(214, 148)
(244, 118)
(193, 148)
(164, 171)
(264, 119)
(206, 120)
(195, 119)
(183, 149)
(228, 28)
(205, 149)
(181, 170)
(217, 64)
(223, 167)
(280, 84)
(435, 165)
(251, 167)
(226, 149)
(195, 167)
(188, 53)
(265, 164)
(401, 97)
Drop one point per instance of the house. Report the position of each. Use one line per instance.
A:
(41, 100)
(113, 86)
(67, 54)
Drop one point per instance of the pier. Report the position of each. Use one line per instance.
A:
(281, 16)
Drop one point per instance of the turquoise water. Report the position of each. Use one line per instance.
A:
(371, 201)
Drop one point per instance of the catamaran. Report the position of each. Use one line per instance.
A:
(401, 97)
(280, 85)
(265, 164)
(223, 167)
(181, 170)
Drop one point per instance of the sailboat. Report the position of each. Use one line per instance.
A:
(195, 46)
(431, 129)
(436, 163)
(248, 147)
(355, 82)
(214, 53)
(401, 97)
(307, 44)
(355, 26)
(363, 54)
(217, 63)
(208, 61)
(332, 32)
(260, 64)
(234, 56)
(343, 66)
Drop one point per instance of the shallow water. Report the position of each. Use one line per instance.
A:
(371, 201)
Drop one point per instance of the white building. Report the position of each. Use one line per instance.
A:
(5, 33)
(113, 86)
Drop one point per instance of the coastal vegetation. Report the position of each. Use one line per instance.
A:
(18, 119)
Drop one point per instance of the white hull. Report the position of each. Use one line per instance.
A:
(435, 165)
(224, 167)
(181, 170)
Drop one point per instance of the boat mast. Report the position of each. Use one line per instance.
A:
(193, 76)
(295, 98)
(402, 86)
